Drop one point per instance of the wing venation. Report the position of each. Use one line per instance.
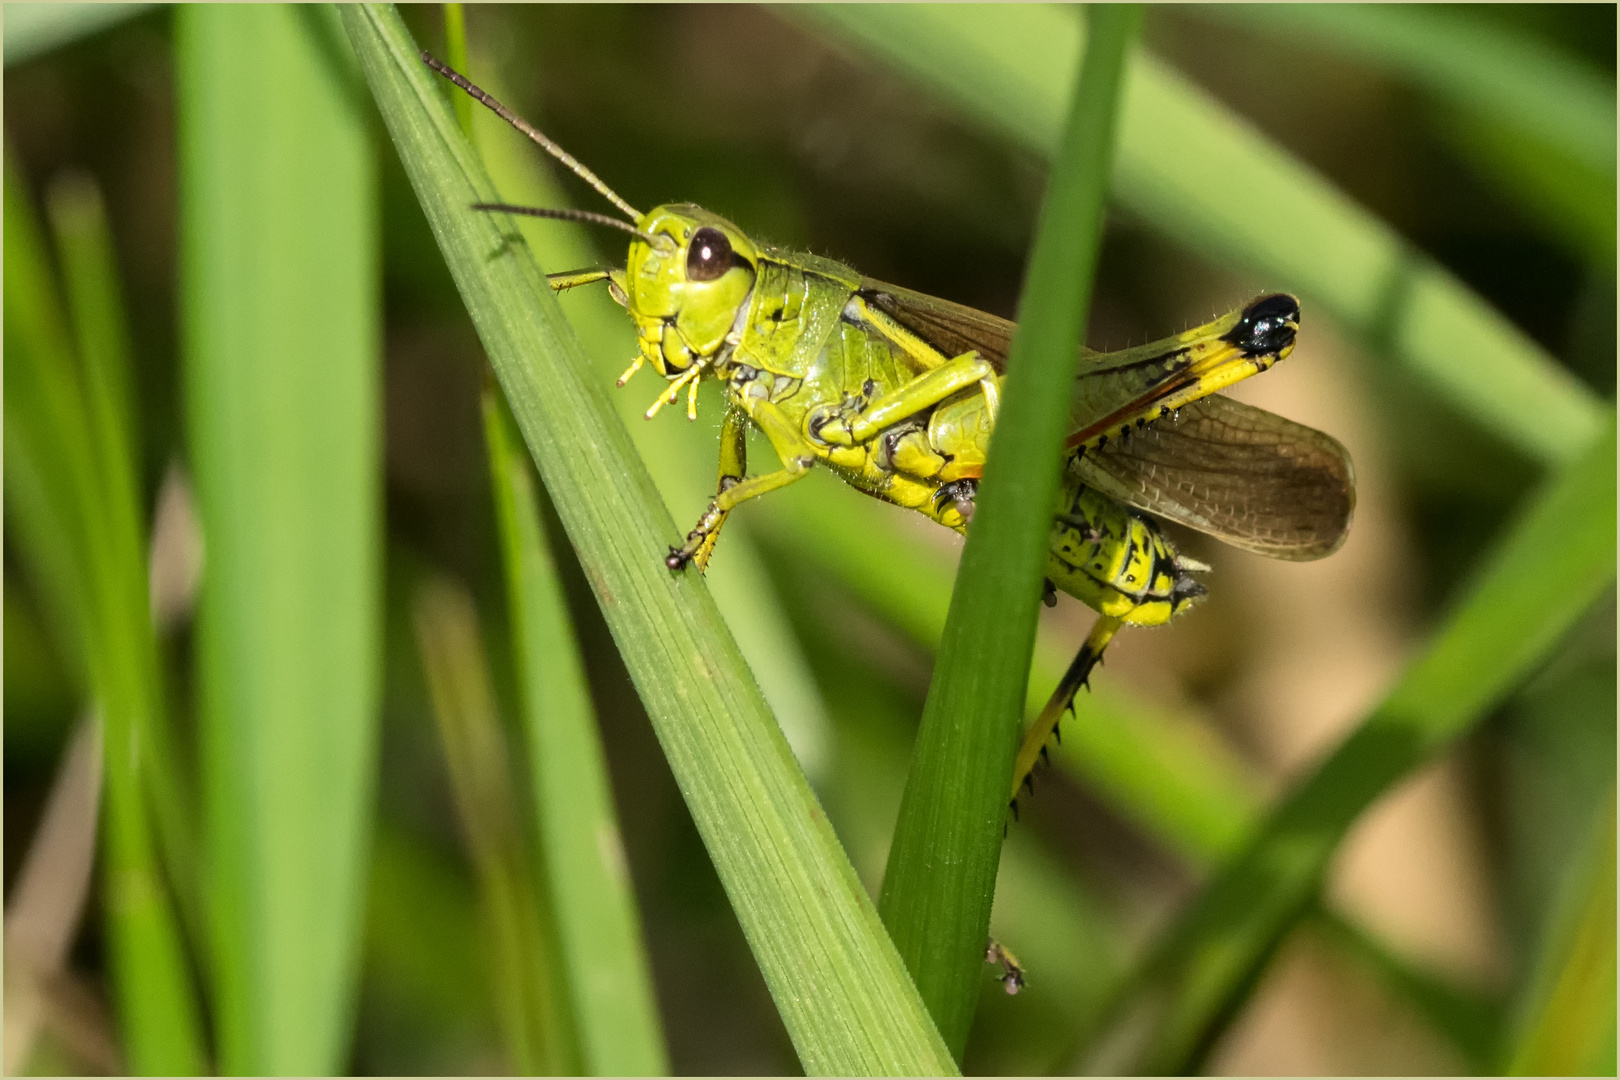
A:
(1243, 475)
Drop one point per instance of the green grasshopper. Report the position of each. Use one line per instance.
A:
(897, 393)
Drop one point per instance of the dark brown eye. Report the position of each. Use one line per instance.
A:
(708, 256)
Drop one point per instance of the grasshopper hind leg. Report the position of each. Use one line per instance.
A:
(1045, 726)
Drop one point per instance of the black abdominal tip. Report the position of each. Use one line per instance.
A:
(1268, 325)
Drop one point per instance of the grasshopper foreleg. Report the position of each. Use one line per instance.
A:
(733, 467)
(793, 449)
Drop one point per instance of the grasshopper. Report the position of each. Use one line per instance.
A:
(897, 392)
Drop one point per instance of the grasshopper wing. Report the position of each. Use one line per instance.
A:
(953, 329)
(1241, 474)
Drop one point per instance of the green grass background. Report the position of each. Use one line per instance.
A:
(352, 826)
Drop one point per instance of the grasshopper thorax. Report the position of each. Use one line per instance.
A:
(687, 294)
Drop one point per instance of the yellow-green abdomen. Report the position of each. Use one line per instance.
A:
(1117, 562)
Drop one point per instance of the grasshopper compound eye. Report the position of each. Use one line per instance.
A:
(1268, 325)
(708, 256)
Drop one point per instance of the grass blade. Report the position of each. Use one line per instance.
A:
(1469, 1020)
(940, 880)
(280, 305)
(1207, 180)
(614, 1012)
(1538, 122)
(90, 275)
(1461, 58)
(76, 521)
(533, 1021)
(1569, 1027)
(1198, 973)
(601, 965)
(841, 988)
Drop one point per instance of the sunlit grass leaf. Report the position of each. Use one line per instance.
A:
(280, 306)
(1208, 180)
(1201, 969)
(940, 880)
(836, 979)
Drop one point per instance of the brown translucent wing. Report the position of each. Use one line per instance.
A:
(1241, 474)
(953, 329)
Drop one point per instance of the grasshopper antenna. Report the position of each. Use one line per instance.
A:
(586, 216)
(534, 133)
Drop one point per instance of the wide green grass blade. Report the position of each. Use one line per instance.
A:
(941, 875)
(70, 489)
(535, 1023)
(1545, 572)
(281, 306)
(615, 1015)
(1568, 1027)
(1209, 181)
(839, 984)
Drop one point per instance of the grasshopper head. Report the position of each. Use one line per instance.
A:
(685, 294)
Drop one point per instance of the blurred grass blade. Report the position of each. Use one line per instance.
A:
(280, 307)
(90, 275)
(1209, 181)
(35, 29)
(1569, 1028)
(79, 221)
(840, 986)
(1538, 122)
(1197, 975)
(75, 522)
(455, 54)
(602, 963)
(680, 456)
(941, 875)
(1458, 56)
(533, 1020)
(1470, 1021)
